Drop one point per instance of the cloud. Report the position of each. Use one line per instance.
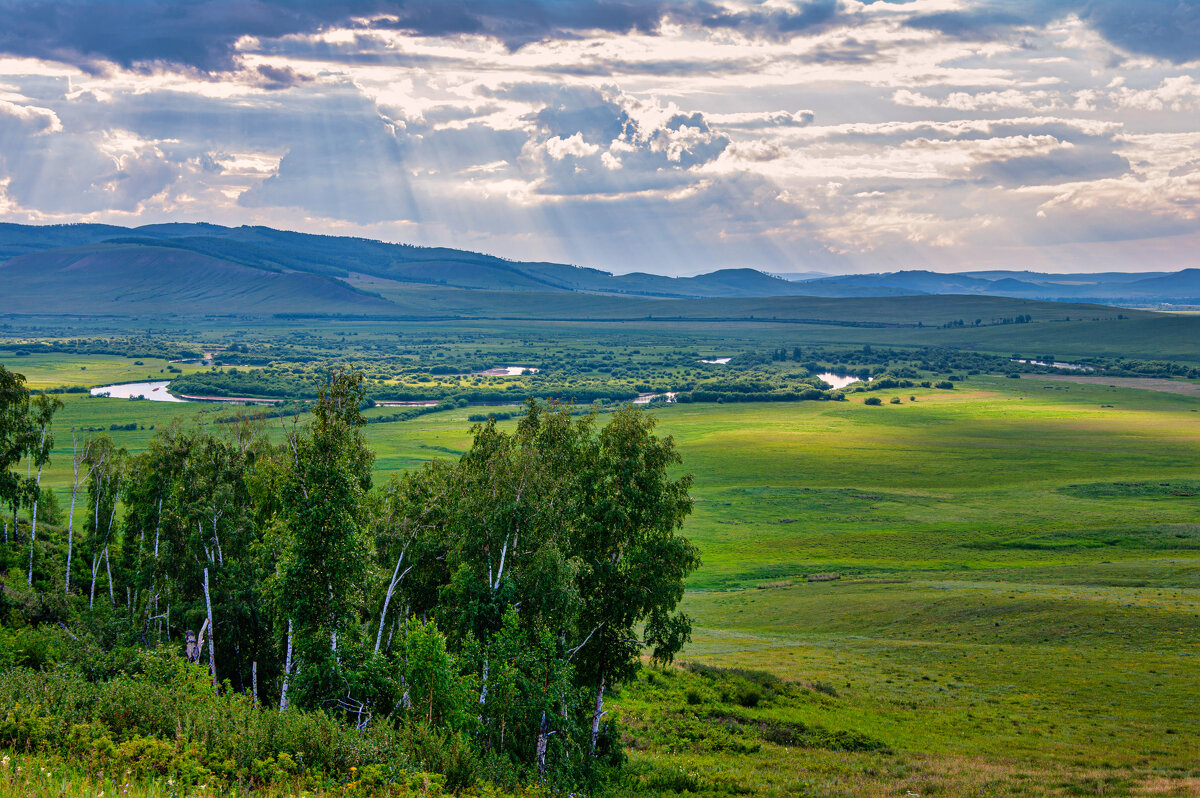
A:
(1166, 29)
(1177, 93)
(279, 77)
(30, 118)
(559, 148)
(989, 100)
(204, 35)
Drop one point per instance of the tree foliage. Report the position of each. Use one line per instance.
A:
(490, 600)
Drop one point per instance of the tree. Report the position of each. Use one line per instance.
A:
(15, 435)
(44, 408)
(557, 542)
(324, 562)
(82, 462)
(633, 561)
(107, 467)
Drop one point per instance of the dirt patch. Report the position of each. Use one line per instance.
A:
(1144, 383)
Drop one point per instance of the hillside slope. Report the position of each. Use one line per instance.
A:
(129, 278)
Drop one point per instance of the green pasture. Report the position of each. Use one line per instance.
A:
(1018, 609)
(53, 370)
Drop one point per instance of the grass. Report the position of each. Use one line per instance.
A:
(58, 370)
(1018, 608)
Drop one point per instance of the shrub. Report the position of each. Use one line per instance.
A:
(749, 697)
(872, 400)
(945, 385)
(895, 400)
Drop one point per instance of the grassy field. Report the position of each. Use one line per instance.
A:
(54, 370)
(1018, 608)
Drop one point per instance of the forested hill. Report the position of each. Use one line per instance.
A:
(206, 268)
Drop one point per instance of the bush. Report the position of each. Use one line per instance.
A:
(872, 400)
(945, 385)
(749, 697)
(895, 400)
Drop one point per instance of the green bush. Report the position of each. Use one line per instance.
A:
(872, 401)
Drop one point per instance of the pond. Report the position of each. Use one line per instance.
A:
(838, 381)
(1056, 365)
(718, 361)
(153, 391)
(507, 371)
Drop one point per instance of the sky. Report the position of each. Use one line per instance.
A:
(667, 136)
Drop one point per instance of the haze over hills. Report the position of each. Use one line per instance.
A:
(206, 268)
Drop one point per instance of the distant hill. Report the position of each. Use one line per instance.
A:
(207, 268)
(124, 278)
(1181, 287)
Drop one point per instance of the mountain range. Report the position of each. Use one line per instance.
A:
(91, 268)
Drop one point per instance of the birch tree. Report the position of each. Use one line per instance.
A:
(327, 551)
(83, 461)
(44, 408)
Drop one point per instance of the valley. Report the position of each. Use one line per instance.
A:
(994, 585)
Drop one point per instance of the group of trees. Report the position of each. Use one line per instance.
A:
(494, 599)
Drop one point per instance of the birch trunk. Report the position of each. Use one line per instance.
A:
(212, 632)
(33, 521)
(92, 591)
(70, 533)
(597, 713)
(387, 599)
(543, 741)
(157, 527)
(112, 599)
(287, 670)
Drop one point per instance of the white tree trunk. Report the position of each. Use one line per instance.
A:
(212, 632)
(33, 521)
(108, 567)
(543, 741)
(157, 527)
(70, 533)
(287, 670)
(387, 599)
(597, 713)
(92, 591)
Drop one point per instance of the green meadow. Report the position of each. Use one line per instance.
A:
(1016, 608)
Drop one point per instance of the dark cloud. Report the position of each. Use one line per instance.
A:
(145, 34)
(1168, 29)
(272, 77)
(774, 22)
(1078, 163)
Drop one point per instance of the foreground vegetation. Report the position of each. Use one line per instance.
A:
(527, 578)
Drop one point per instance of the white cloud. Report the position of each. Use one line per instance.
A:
(572, 146)
(35, 120)
(1178, 93)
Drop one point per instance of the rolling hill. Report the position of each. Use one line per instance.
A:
(122, 279)
(206, 268)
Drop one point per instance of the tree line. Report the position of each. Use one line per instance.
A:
(495, 599)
